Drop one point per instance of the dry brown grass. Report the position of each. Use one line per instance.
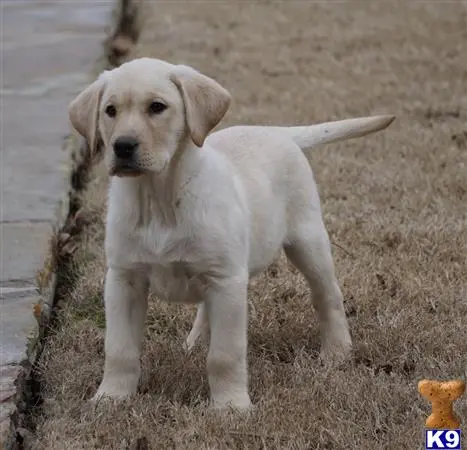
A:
(394, 205)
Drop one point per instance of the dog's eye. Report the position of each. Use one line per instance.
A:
(157, 107)
(111, 111)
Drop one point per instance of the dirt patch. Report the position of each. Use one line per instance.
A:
(394, 205)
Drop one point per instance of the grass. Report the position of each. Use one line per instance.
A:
(394, 205)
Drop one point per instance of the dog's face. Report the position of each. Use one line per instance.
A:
(144, 110)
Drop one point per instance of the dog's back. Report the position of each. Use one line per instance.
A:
(277, 177)
(272, 161)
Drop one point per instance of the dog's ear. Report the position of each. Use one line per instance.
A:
(206, 101)
(83, 112)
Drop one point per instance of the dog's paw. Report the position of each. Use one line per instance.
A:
(195, 335)
(100, 397)
(106, 402)
(189, 343)
(336, 345)
(239, 403)
(335, 353)
(111, 393)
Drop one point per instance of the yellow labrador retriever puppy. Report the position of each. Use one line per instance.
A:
(193, 216)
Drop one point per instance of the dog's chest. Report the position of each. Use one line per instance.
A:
(153, 245)
(173, 261)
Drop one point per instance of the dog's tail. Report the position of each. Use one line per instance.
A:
(310, 136)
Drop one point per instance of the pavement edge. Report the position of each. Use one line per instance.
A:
(17, 432)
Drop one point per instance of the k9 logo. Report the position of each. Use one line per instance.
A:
(443, 439)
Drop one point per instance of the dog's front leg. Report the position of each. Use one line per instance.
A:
(126, 297)
(227, 310)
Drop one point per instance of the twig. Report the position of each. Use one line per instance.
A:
(343, 249)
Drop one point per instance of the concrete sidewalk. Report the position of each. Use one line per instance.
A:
(49, 50)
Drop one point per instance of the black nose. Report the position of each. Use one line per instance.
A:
(125, 146)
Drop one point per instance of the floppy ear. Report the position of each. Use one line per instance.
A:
(206, 101)
(83, 112)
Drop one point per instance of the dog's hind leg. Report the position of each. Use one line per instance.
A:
(309, 249)
(199, 328)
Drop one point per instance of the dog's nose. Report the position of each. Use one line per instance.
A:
(125, 146)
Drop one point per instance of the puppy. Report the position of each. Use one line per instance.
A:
(193, 216)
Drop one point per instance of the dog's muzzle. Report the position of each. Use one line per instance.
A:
(125, 148)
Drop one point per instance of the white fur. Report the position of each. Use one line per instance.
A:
(197, 223)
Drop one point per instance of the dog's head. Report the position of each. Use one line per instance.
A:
(144, 110)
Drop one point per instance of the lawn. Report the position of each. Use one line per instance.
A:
(394, 205)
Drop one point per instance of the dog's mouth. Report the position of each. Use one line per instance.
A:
(125, 171)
